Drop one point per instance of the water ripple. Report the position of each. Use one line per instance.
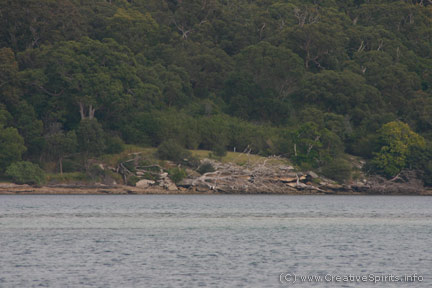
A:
(210, 241)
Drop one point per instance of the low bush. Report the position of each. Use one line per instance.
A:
(171, 150)
(205, 168)
(132, 180)
(70, 165)
(114, 145)
(25, 172)
(192, 162)
(219, 150)
(338, 170)
(177, 174)
(96, 173)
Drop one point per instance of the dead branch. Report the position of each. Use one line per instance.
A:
(362, 47)
(54, 94)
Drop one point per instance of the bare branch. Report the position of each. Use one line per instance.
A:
(48, 92)
(380, 45)
(362, 47)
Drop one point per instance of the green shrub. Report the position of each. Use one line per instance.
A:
(214, 129)
(338, 170)
(192, 162)
(177, 174)
(205, 168)
(71, 166)
(91, 137)
(171, 150)
(132, 180)
(114, 145)
(427, 176)
(114, 176)
(399, 145)
(130, 166)
(11, 146)
(25, 172)
(96, 173)
(219, 150)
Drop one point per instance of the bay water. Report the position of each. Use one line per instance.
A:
(215, 241)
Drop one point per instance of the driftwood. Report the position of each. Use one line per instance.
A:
(266, 177)
(123, 170)
(260, 178)
(406, 182)
(160, 178)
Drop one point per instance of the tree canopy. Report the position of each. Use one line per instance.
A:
(326, 77)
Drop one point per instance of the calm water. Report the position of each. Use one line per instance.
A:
(212, 241)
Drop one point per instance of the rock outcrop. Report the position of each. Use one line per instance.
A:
(263, 177)
(255, 179)
(144, 183)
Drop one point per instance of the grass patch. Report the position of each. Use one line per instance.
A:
(148, 153)
(70, 177)
(241, 158)
(148, 156)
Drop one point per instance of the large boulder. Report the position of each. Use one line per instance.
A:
(144, 183)
(186, 183)
(170, 186)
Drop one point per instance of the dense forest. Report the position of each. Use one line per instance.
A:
(310, 80)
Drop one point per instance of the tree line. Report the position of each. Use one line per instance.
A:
(310, 80)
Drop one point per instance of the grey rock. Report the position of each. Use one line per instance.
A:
(144, 183)
(313, 174)
(186, 183)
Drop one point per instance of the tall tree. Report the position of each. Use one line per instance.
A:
(11, 143)
(397, 140)
(59, 145)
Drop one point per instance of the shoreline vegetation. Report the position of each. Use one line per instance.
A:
(25, 189)
(140, 171)
(342, 88)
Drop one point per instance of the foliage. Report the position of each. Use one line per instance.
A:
(219, 151)
(25, 172)
(71, 165)
(91, 140)
(96, 173)
(191, 162)
(338, 169)
(257, 76)
(420, 160)
(170, 150)
(11, 146)
(205, 168)
(397, 143)
(58, 145)
(132, 180)
(177, 174)
(29, 127)
(114, 145)
(310, 144)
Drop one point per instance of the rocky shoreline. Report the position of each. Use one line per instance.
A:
(14, 189)
(229, 178)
